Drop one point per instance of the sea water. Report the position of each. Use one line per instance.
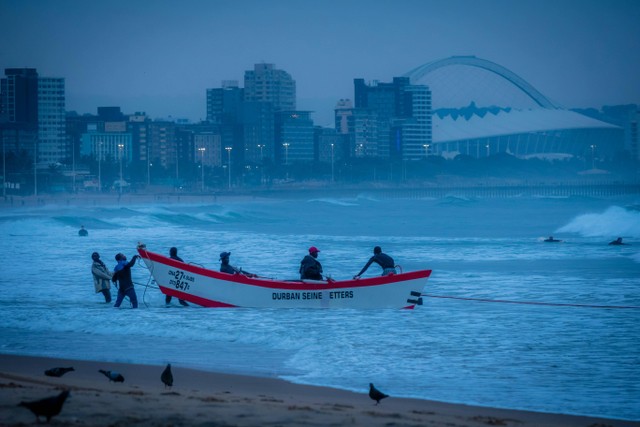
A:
(508, 320)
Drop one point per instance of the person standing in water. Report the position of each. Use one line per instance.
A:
(173, 254)
(101, 277)
(122, 274)
(83, 231)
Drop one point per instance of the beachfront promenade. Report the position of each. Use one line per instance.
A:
(301, 190)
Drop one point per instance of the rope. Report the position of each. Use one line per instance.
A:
(553, 304)
(147, 285)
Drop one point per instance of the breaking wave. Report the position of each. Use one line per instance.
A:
(613, 222)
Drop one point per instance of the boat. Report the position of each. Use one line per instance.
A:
(210, 288)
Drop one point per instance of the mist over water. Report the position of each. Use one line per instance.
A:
(571, 358)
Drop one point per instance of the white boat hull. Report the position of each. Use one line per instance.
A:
(210, 288)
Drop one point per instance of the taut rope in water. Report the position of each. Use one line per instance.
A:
(553, 304)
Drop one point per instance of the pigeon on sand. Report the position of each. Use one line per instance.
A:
(167, 376)
(57, 372)
(113, 376)
(376, 394)
(48, 407)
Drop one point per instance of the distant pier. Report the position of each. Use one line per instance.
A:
(508, 191)
(310, 190)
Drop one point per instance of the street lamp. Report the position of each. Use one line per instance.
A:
(426, 150)
(261, 147)
(4, 168)
(487, 146)
(332, 162)
(148, 167)
(593, 156)
(120, 149)
(73, 166)
(99, 166)
(229, 163)
(35, 167)
(202, 150)
(286, 156)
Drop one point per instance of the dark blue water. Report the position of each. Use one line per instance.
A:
(563, 355)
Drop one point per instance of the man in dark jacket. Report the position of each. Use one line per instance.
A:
(225, 267)
(382, 259)
(310, 267)
(173, 254)
(122, 274)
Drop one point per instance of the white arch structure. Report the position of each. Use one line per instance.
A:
(472, 61)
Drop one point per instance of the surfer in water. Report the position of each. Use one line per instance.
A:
(83, 231)
(618, 242)
(551, 239)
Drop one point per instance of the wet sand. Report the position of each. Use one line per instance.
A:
(200, 398)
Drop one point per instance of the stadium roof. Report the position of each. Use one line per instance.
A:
(511, 122)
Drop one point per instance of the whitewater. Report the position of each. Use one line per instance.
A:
(508, 320)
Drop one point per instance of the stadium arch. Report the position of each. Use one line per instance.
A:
(546, 131)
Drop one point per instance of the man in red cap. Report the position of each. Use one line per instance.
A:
(310, 267)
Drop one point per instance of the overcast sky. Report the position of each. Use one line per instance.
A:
(160, 56)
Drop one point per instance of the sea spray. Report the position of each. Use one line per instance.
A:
(613, 222)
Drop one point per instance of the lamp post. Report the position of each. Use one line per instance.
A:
(286, 152)
(148, 168)
(487, 146)
(593, 156)
(286, 157)
(99, 166)
(4, 167)
(332, 146)
(229, 163)
(120, 150)
(177, 167)
(73, 166)
(35, 167)
(426, 150)
(261, 147)
(202, 150)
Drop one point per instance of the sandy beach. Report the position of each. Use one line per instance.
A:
(218, 399)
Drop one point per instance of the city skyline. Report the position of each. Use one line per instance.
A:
(160, 57)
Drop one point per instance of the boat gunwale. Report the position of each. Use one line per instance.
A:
(266, 282)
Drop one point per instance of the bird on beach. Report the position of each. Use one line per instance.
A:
(47, 407)
(57, 372)
(113, 376)
(167, 376)
(376, 394)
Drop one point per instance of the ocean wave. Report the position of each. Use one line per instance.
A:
(339, 202)
(451, 199)
(613, 222)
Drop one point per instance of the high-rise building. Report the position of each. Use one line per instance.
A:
(52, 139)
(295, 136)
(258, 131)
(267, 84)
(19, 110)
(33, 108)
(633, 134)
(224, 104)
(224, 110)
(403, 118)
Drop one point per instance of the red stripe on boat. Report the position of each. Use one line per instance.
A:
(284, 284)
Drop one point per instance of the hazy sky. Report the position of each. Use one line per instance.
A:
(160, 56)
